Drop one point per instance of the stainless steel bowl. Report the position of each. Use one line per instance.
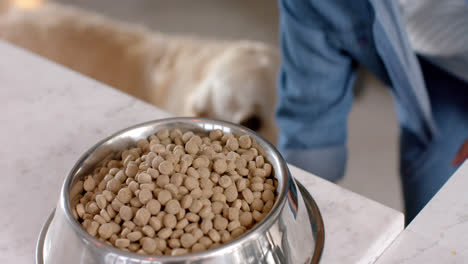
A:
(291, 233)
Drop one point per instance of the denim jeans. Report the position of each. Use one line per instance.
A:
(425, 169)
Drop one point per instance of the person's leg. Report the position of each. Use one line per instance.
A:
(425, 169)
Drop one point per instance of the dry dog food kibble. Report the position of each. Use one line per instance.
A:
(177, 193)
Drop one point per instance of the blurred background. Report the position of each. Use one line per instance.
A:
(373, 132)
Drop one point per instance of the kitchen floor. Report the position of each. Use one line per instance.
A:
(373, 132)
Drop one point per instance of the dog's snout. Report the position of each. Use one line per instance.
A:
(252, 122)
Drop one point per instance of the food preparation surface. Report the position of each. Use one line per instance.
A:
(439, 234)
(51, 115)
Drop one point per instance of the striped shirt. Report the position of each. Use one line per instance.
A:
(438, 30)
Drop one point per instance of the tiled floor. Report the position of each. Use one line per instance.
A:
(372, 166)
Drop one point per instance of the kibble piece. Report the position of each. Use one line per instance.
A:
(205, 211)
(105, 230)
(89, 184)
(103, 213)
(198, 247)
(237, 204)
(233, 225)
(268, 169)
(233, 213)
(197, 233)
(231, 193)
(164, 196)
(145, 196)
(177, 179)
(220, 166)
(134, 247)
(196, 206)
(113, 185)
(155, 223)
(245, 142)
(187, 240)
(187, 201)
(166, 167)
(162, 180)
(196, 193)
(144, 178)
(257, 195)
(172, 188)
(133, 186)
(218, 197)
(108, 195)
(148, 231)
(99, 219)
(174, 243)
(216, 134)
(148, 245)
(125, 231)
(129, 224)
(124, 195)
(177, 233)
(165, 233)
(153, 206)
(122, 243)
(169, 221)
(190, 227)
(191, 147)
(142, 217)
(92, 228)
(201, 162)
(131, 170)
(225, 236)
(206, 225)
(92, 208)
(214, 235)
(135, 202)
(206, 241)
(80, 210)
(182, 224)
(257, 216)
(246, 219)
(191, 183)
(172, 207)
(237, 232)
(259, 173)
(268, 195)
(217, 207)
(134, 236)
(220, 223)
(225, 181)
(163, 134)
(248, 195)
(257, 204)
(267, 207)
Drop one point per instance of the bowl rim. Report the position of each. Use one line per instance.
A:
(252, 233)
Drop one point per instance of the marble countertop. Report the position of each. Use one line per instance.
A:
(439, 234)
(51, 115)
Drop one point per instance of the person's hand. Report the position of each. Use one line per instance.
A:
(462, 154)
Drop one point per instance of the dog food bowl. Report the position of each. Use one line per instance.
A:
(292, 232)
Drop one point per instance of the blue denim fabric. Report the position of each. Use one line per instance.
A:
(424, 169)
(322, 43)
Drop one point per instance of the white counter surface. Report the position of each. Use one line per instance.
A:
(439, 234)
(50, 116)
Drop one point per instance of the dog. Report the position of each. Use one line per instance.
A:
(184, 75)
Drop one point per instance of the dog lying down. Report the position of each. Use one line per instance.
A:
(228, 80)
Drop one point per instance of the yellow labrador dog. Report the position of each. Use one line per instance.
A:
(229, 80)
